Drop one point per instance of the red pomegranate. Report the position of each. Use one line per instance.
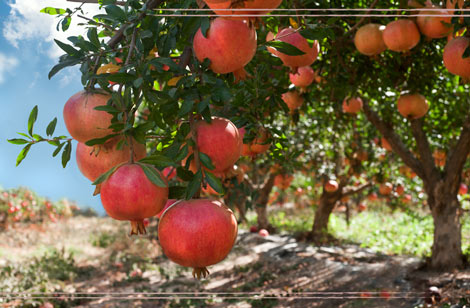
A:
(304, 76)
(361, 207)
(463, 189)
(230, 45)
(406, 198)
(283, 181)
(435, 27)
(293, 100)
(453, 60)
(385, 188)
(369, 39)
(82, 120)
(263, 232)
(129, 195)
(352, 105)
(259, 145)
(249, 5)
(401, 35)
(169, 172)
(331, 186)
(293, 37)
(372, 197)
(197, 233)
(412, 106)
(400, 189)
(221, 141)
(95, 160)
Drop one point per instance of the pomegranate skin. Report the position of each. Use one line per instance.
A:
(83, 122)
(230, 45)
(413, 106)
(197, 233)
(352, 105)
(221, 141)
(453, 60)
(258, 145)
(303, 78)
(217, 5)
(95, 160)
(401, 35)
(293, 100)
(369, 40)
(129, 195)
(291, 36)
(435, 27)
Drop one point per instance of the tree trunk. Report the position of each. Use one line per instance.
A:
(261, 205)
(447, 244)
(322, 214)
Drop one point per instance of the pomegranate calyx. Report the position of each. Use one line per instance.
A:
(137, 227)
(200, 271)
(241, 74)
(97, 190)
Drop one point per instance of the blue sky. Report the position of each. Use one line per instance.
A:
(27, 53)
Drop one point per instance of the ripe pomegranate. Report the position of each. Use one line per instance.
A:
(463, 189)
(197, 233)
(331, 186)
(259, 145)
(291, 36)
(361, 207)
(304, 76)
(435, 27)
(439, 158)
(400, 189)
(82, 120)
(221, 141)
(401, 35)
(406, 199)
(217, 5)
(263, 232)
(230, 45)
(352, 105)
(372, 197)
(412, 106)
(283, 181)
(253, 229)
(95, 160)
(453, 60)
(293, 100)
(385, 188)
(369, 39)
(169, 172)
(129, 195)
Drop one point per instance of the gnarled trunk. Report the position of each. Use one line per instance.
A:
(323, 212)
(261, 205)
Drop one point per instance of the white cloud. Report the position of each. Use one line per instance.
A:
(26, 22)
(7, 64)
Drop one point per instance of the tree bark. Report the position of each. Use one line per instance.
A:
(322, 214)
(261, 205)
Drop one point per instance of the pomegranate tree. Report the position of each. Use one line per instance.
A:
(197, 233)
(412, 106)
(369, 39)
(229, 44)
(453, 57)
(401, 35)
(96, 160)
(82, 120)
(128, 194)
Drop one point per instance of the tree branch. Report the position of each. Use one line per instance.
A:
(357, 190)
(395, 142)
(458, 156)
(424, 149)
(362, 19)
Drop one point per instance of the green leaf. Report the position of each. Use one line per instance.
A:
(67, 48)
(107, 108)
(66, 23)
(206, 161)
(317, 33)
(93, 37)
(32, 119)
(153, 175)
(285, 48)
(18, 141)
(186, 107)
(57, 150)
(116, 12)
(214, 182)
(205, 24)
(54, 142)
(61, 65)
(184, 174)
(194, 185)
(23, 154)
(52, 11)
(66, 153)
(96, 141)
(466, 53)
(51, 127)
(159, 160)
(106, 175)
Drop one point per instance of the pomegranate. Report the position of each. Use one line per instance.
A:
(291, 36)
(453, 60)
(82, 120)
(400, 189)
(95, 160)
(259, 145)
(369, 39)
(372, 197)
(197, 233)
(303, 78)
(463, 189)
(406, 199)
(129, 195)
(435, 27)
(283, 181)
(331, 186)
(253, 229)
(352, 105)
(401, 35)
(221, 141)
(361, 207)
(230, 45)
(385, 188)
(268, 5)
(263, 232)
(293, 100)
(440, 158)
(169, 172)
(412, 106)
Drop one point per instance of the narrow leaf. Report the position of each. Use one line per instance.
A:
(32, 119)
(67, 48)
(153, 175)
(66, 153)
(52, 11)
(57, 150)
(285, 48)
(206, 161)
(23, 154)
(96, 141)
(18, 141)
(51, 127)
(106, 175)
(214, 182)
(194, 185)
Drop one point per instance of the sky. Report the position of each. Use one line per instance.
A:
(27, 53)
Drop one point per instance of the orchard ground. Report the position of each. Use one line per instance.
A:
(95, 255)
